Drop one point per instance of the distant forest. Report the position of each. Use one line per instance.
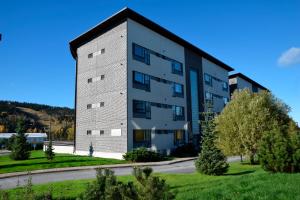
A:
(59, 121)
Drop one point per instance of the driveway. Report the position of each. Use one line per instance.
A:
(12, 182)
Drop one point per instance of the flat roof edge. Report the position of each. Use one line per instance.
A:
(122, 16)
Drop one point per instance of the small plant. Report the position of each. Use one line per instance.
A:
(151, 187)
(49, 153)
(20, 149)
(91, 150)
(211, 160)
(143, 155)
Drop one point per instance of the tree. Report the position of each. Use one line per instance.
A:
(245, 118)
(280, 149)
(70, 133)
(20, 148)
(211, 160)
(49, 153)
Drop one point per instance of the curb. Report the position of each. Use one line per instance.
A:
(67, 169)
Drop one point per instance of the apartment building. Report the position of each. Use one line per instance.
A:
(139, 85)
(240, 81)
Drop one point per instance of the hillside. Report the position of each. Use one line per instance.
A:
(38, 117)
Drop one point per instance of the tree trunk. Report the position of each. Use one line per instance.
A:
(251, 156)
(241, 156)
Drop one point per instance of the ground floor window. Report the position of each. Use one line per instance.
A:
(141, 138)
(179, 137)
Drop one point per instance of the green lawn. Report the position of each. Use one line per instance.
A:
(38, 161)
(241, 182)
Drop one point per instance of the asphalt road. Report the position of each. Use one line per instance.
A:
(6, 183)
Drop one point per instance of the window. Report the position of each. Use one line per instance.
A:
(254, 89)
(140, 53)
(177, 68)
(103, 51)
(88, 132)
(141, 81)
(225, 86)
(209, 97)
(89, 106)
(178, 90)
(141, 109)
(208, 79)
(141, 138)
(178, 113)
(102, 77)
(90, 80)
(101, 104)
(101, 132)
(90, 55)
(179, 137)
(225, 100)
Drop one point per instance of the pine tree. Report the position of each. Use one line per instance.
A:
(20, 149)
(211, 160)
(49, 153)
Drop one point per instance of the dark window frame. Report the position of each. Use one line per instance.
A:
(144, 84)
(176, 93)
(208, 82)
(142, 56)
(175, 70)
(144, 111)
(176, 116)
(147, 139)
(179, 142)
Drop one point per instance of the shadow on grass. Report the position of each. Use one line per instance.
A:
(240, 173)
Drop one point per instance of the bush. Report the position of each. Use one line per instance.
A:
(143, 155)
(186, 150)
(280, 150)
(106, 186)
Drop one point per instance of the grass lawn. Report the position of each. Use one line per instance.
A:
(241, 182)
(38, 161)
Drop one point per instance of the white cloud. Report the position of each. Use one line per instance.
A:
(289, 57)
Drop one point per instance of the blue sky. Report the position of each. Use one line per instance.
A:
(258, 38)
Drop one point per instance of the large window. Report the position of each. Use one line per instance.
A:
(141, 109)
(141, 81)
(225, 86)
(177, 68)
(208, 79)
(141, 138)
(179, 137)
(178, 113)
(178, 90)
(140, 53)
